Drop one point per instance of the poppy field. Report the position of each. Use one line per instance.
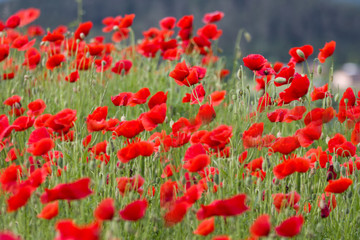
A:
(160, 137)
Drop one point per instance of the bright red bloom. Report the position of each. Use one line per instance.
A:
(338, 186)
(8, 236)
(205, 227)
(287, 73)
(83, 30)
(340, 146)
(186, 22)
(308, 134)
(9, 177)
(229, 207)
(206, 113)
(167, 23)
(96, 121)
(306, 50)
(320, 93)
(209, 31)
(55, 61)
(290, 227)
(254, 62)
(36, 107)
(285, 145)
(53, 37)
(320, 114)
(68, 230)
(196, 158)
(131, 99)
(212, 17)
(128, 129)
(126, 184)
(13, 21)
(134, 150)
(22, 123)
(28, 15)
(282, 200)
(4, 51)
(62, 121)
(176, 213)
(67, 191)
(105, 210)
(41, 147)
(134, 211)
(22, 43)
(122, 65)
(298, 88)
(217, 97)
(20, 198)
(168, 193)
(327, 51)
(32, 58)
(50, 211)
(218, 137)
(155, 116)
(261, 226)
(73, 76)
(183, 75)
(290, 166)
(157, 99)
(287, 115)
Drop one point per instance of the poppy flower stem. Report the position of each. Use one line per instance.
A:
(298, 182)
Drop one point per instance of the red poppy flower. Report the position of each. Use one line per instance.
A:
(340, 146)
(8, 236)
(167, 23)
(128, 129)
(264, 102)
(320, 114)
(212, 17)
(13, 21)
(20, 198)
(254, 62)
(55, 61)
(320, 93)
(157, 99)
(285, 145)
(96, 121)
(134, 211)
(122, 65)
(134, 150)
(126, 184)
(290, 227)
(176, 213)
(4, 51)
(261, 226)
(62, 121)
(83, 30)
(22, 43)
(327, 51)
(68, 230)
(205, 227)
(308, 134)
(67, 191)
(185, 22)
(22, 123)
(73, 77)
(209, 31)
(282, 200)
(36, 107)
(228, 207)
(28, 15)
(155, 116)
(53, 37)
(206, 113)
(32, 58)
(196, 158)
(50, 211)
(338, 186)
(168, 193)
(217, 97)
(126, 21)
(300, 54)
(298, 88)
(105, 210)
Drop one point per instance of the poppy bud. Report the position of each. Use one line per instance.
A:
(233, 97)
(328, 101)
(77, 41)
(115, 28)
(278, 134)
(247, 36)
(319, 69)
(349, 194)
(123, 118)
(322, 204)
(300, 53)
(327, 165)
(343, 171)
(336, 97)
(239, 73)
(346, 101)
(171, 123)
(336, 166)
(103, 63)
(42, 43)
(87, 54)
(82, 35)
(248, 180)
(280, 80)
(327, 139)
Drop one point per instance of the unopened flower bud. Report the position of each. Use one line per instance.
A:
(171, 123)
(336, 97)
(343, 171)
(123, 118)
(82, 35)
(280, 80)
(77, 41)
(319, 69)
(336, 166)
(247, 36)
(300, 53)
(239, 73)
(115, 28)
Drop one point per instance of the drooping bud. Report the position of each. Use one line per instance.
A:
(280, 80)
(319, 69)
(300, 53)
(247, 36)
(82, 35)
(239, 73)
(123, 118)
(115, 28)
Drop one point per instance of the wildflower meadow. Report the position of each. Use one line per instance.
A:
(162, 137)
